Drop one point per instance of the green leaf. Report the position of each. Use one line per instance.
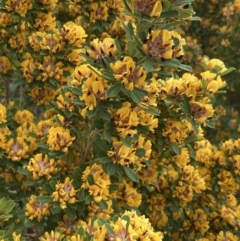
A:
(102, 145)
(140, 152)
(88, 199)
(149, 110)
(90, 179)
(70, 212)
(127, 142)
(111, 168)
(148, 65)
(176, 41)
(29, 223)
(91, 113)
(106, 159)
(6, 205)
(70, 155)
(185, 13)
(170, 14)
(229, 70)
(102, 204)
(109, 228)
(127, 219)
(195, 18)
(82, 194)
(77, 173)
(186, 103)
(193, 138)
(135, 96)
(131, 174)
(77, 91)
(114, 90)
(185, 67)
(174, 63)
(175, 148)
(47, 187)
(108, 76)
(44, 199)
(23, 171)
(101, 222)
(113, 188)
(129, 31)
(209, 124)
(42, 145)
(104, 113)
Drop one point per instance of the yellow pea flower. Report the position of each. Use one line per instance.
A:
(36, 210)
(65, 193)
(59, 139)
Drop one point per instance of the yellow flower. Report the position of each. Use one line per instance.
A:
(148, 174)
(227, 182)
(98, 11)
(35, 209)
(83, 72)
(128, 73)
(121, 154)
(67, 226)
(52, 41)
(94, 90)
(16, 237)
(176, 131)
(45, 21)
(49, 4)
(178, 50)
(146, 119)
(18, 41)
(148, 7)
(94, 209)
(182, 159)
(174, 87)
(211, 63)
(5, 19)
(40, 166)
(65, 102)
(56, 236)
(100, 49)
(184, 194)
(16, 149)
(42, 95)
(35, 40)
(74, 34)
(76, 237)
(75, 56)
(43, 127)
(3, 114)
(23, 116)
(159, 44)
(59, 139)
(51, 69)
(5, 65)
(65, 193)
(126, 120)
(99, 189)
(223, 236)
(28, 66)
(19, 6)
(131, 197)
(201, 111)
(158, 219)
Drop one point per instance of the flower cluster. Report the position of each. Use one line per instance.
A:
(102, 125)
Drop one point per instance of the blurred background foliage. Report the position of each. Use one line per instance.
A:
(217, 36)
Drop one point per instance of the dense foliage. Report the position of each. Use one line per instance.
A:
(102, 124)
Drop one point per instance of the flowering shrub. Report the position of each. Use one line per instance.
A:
(217, 35)
(101, 126)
